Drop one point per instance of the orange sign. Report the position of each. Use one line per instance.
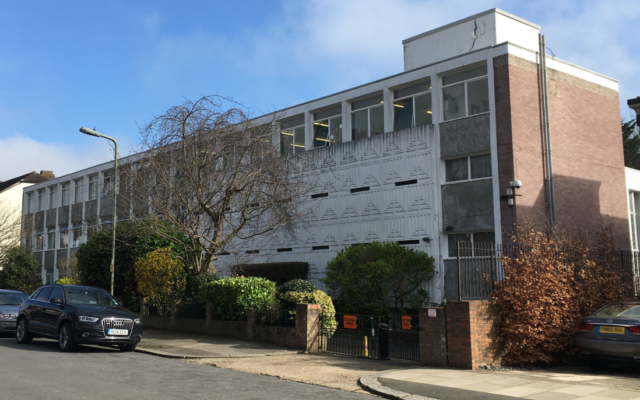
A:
(349, 321)
(406, 322)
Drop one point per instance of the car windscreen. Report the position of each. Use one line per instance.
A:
(89, 297)
(12, 298)
(619, 310)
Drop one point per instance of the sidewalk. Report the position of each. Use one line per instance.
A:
(567, 383)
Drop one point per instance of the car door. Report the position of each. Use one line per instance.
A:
(52, 312)
(36, 310)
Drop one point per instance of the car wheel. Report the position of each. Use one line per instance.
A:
(598, 365)
(23, 336)
(127, 347)
(65, 338)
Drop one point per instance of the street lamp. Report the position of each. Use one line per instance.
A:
(91, 132)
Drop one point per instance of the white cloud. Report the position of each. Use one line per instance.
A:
(20, 154)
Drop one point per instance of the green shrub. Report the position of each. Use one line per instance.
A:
(362, 277)
(280, 273)
(68, 280)
(297, 285)
(21, 270)
(231, 297)
(328, 312)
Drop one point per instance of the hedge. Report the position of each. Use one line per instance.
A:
(280, 272)
(231, 297)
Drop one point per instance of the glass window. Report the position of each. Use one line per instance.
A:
(56, 293)
(456, 169)
(77, 237)
(93, 187)
(39, 241)
(327, 127)
(453, 242)
(43, 295)
(52, 196)
(64, 237)
(29, 202)
(292, 136)
(12, 299)
(414, 110)
(360, 125)
(369, 120)
(465, 93)
(41, 200)
(78, 191)
(376, 121)
(88, 296)
(65, 194)
(480, 166)
(51, 239)
(107, 183)
(479, 242)
(368, 102)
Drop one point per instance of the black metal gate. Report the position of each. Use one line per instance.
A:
(404, 338)
(350, 335)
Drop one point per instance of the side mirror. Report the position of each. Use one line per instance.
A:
(56, 300)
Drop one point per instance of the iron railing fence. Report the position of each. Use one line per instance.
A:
(350, 335)
(480, 265)
(404, 336)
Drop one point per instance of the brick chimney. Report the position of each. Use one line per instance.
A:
(47, 174)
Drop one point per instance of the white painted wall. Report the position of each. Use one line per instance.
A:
(11, 200)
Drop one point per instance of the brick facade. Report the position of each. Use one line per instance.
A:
(586, 145)
(433, 338)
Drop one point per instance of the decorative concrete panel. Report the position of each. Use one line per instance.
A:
(63, 215)
(106, 207)
(38, 224)
(465, 136)
(91, 210)
(468, 206)
(50, 220)
(76, 213)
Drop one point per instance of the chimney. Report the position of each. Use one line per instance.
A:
(47, 174)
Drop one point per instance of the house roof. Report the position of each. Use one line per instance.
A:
(31, 177)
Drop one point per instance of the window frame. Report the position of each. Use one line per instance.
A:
(53, 191)
(413, 103)
(64, 199)
(40, 196)
(29, 201)
(466, 91)
(51, 244)
(293, 134)
(78, 184)
(471, 242)
(469, 179)
(368, 109)
(328, 119)
(93, 179)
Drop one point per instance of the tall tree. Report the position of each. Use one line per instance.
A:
(216, 177)
(631, 144)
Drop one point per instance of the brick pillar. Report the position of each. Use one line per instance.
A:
(433, 338)
(458, 334)
(307, 326)
(252, 318)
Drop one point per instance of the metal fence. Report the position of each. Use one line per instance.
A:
(404, 339)
(480, 265)
(350, 335)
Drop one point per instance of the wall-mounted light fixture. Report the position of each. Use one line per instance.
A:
(511, 192)
(449, 228)
(426, 240)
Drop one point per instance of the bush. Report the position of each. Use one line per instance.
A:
(190, 305)
(280, 273)
(160, 273)
(231, 297)
(363, 276)
(68, 280)
(21, 270)
(328, 312)
(297, 285)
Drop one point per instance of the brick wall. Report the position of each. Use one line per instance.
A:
(471, 333)
(586, 144)
(433, 338)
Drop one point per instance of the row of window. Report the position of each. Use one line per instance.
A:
(464, 93)
(67, 196)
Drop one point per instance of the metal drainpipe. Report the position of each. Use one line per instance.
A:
(546, 132)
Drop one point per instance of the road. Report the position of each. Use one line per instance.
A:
(40, 371)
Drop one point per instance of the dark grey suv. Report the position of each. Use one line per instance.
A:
(611, 334)
(10, 301)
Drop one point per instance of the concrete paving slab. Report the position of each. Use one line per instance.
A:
(518, 391)
(580, 390)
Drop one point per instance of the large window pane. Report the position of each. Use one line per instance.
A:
(64, 237)
(371, 101)
(290, 123)
(424, 112)
(408, 91)
(321, 133)
(403, 114)
(51, 240)
(456, 169)
(453, 99)
(332, 112)
(286, 142)
(481, 166)
(464, 75)
(335, 130)
(360, 124)
(376, 118)
(453, 242)
(299, 139)
(478, 96)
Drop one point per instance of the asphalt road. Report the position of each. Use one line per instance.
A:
(40, 371)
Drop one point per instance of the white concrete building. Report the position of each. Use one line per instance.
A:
(421, 157)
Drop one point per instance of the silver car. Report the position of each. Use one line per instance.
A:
(10, 301)
(611, 334)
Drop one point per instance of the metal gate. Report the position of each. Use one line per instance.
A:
(350, 335)
(404, 337)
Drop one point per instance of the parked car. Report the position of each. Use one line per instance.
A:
(611, 334)
(77, 315)
(10, 301)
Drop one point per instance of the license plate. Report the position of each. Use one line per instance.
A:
(612, 329)
(117, 332)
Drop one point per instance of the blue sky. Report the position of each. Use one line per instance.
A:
(113, 65)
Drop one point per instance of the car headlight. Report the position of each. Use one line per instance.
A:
(88, 319)
(137, 320)
(8, 316)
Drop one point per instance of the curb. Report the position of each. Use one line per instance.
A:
(371, 384)
(160, 353)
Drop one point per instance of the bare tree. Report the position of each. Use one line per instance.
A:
(10, 219)
(216, 177)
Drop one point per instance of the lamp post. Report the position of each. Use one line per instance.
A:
(91, 132)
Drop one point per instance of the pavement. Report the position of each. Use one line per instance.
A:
(565, 383)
